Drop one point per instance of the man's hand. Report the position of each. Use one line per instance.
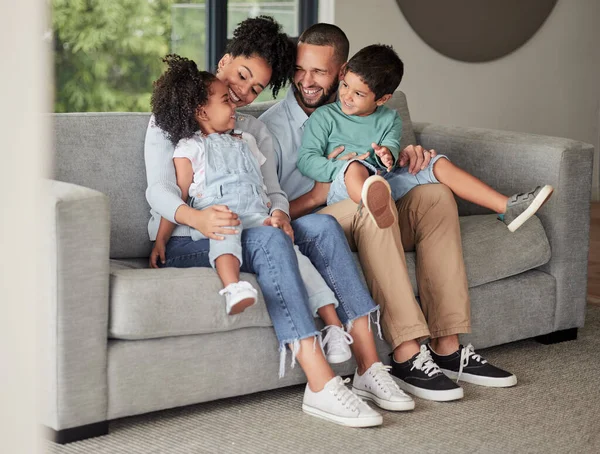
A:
(319, 193)
(158, 252)
(416, 157)
(386, 156)
(337, 151)
(213, 221)
(280, 220)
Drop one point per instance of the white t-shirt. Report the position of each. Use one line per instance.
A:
(193, 149)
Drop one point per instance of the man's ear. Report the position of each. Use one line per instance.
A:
(385, 98)
(342, 71)
(225, 59)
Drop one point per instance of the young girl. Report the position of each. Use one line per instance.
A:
(219, 168)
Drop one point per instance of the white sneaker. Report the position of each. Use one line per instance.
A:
(336, 403)
(238, 297)
(377, 385)
(336, 344)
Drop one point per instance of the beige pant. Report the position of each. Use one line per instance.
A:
(427, 224)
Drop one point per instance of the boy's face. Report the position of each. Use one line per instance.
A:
(356, 98)
(317, 75)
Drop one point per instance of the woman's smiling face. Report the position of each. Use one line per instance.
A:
(244, 77)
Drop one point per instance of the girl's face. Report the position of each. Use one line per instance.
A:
(244, 77)
(218, 114)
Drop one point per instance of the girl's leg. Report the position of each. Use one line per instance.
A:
(228, 269)
(467, 187)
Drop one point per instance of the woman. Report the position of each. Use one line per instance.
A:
(260, 55)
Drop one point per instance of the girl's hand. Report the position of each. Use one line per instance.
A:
(280, 220)
(158, 252)
(212, 222)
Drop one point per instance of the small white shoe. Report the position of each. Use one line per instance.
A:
(336, 344)
(377, 385)
(336, 403)
(239, 296)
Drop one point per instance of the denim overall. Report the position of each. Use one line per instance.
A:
(233, 178)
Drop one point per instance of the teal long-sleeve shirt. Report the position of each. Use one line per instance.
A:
(329, 127)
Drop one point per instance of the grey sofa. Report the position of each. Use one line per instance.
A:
(123, 339)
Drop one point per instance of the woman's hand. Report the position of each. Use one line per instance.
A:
(158, 252)
(280, 220)
(212, 222)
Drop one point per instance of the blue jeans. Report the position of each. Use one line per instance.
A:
(321, 238)
(401, 182)
(269, 254)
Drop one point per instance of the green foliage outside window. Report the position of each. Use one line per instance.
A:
(107, 53)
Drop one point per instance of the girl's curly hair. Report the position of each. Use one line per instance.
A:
(176, 96)
(262, 37)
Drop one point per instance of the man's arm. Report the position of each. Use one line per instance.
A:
(317, 196)
(312, 160)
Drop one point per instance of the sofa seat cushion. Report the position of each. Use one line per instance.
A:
(491, 252)
(147, 303)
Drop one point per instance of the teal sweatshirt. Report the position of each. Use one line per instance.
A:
(329, 127)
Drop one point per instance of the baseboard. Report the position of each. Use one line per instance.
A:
(78, 433)
(558, 336)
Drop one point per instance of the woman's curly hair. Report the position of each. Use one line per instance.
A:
(176, 96)
(262, 37)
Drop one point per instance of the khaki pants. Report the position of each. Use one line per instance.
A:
(427, 224)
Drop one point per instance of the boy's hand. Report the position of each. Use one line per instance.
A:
(280, 220)
(158, 252)
(416, 157)
(386, 156)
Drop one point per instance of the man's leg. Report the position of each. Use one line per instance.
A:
(428, 219)
(382, 258)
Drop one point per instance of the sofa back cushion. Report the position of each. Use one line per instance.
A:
(105, 151)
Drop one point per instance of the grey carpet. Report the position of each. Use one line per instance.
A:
(555, 408)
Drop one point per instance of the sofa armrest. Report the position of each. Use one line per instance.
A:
(514, 162)
(74, 336)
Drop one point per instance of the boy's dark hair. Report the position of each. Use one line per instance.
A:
(379, 67)
(327, 35)
(262, 37)
(176, 96)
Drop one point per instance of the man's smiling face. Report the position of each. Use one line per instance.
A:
(317, 75)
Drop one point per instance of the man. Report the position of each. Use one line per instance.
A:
(427, 223)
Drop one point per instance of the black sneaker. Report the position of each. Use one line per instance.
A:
(466, 365)
(421, 377)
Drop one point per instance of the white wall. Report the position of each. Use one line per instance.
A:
(550, 86)
(24, 91)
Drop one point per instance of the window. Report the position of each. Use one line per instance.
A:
(107, 53)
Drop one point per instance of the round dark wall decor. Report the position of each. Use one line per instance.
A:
(476, 30)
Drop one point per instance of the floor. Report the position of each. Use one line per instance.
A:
(594, 259)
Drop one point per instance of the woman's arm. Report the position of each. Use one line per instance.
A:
(162, 193)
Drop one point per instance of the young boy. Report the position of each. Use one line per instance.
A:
(360, 121)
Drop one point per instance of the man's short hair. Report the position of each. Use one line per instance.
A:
(379, 67)
(327, 35)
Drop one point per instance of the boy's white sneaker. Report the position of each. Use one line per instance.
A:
(336, 344)
(336, 403)
(238, 297)
(377, 385)
(376, 197)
